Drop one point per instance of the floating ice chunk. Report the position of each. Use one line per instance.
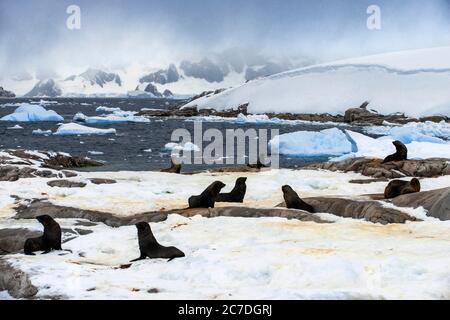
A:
(96, 153)
(32, 113)
(107, 109)
(414, 131)
(16, 127)
(77, 129)
(42, 132)
(328, 142)
(115, 117)
(188, 146)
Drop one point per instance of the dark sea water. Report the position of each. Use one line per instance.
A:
(125, 151)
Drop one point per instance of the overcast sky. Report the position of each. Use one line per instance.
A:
(115, 33)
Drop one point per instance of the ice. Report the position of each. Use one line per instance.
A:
(32, 113)
(16, 127)
(414, 131)
(96, 153)
(327, 142)
(42, 132)
(411, 88)
(115, 117)
(77, 129)
(107, 109)
(188, 146)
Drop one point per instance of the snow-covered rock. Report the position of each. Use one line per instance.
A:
(6, 94)
(77, 129)
(15, 127)
(328, 142)
(412, 82)
(32, 113)
(169, 75)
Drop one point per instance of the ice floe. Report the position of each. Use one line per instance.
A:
(188, 146)
(414, 131)
(114, 117)
(77, 129)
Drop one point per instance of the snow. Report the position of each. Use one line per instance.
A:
(114, 117)
(418, 87)
(327, 142)
(16, 127)
(77, 129)
(32, 113)
(188, 146)
(414, 131)
(264, 258)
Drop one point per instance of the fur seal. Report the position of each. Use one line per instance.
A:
(396, 188)
(236, 195)
(399, 155)
(293, 201)
(150, 248)
(50, 240)
(174, 167)
(208, 197)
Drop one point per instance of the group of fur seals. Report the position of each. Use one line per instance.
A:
(293, 201)
(397, 188)
(50, 240)
(400, 155)
(150, 248)
(208, 197)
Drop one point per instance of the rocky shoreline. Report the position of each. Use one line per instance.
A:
(361, 115)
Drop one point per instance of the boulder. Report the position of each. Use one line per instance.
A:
(436, 202)
(66, 184)
(102, 181)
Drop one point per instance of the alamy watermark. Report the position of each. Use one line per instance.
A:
(73, 22)
(374, 19)
(213, 147)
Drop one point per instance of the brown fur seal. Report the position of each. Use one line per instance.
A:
(208, 197)
(396, 188)
(399, 155)
(236, 195)
(50, 240)
(174, 167)
(293, 201)
(150, 248)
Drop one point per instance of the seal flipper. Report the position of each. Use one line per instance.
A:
(142, 257)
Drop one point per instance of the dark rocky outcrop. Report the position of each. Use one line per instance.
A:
(6, 94)
(428, 168)
(205, 69)
(436, 202)
(38, 207)
(66, 184)
(14, 173)
(150, 88)
(61, 161)
(12, 240)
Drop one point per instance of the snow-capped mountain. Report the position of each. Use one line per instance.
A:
(45, 88)
(188, 78)
(413, 82)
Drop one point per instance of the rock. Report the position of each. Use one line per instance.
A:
(367, 181)
(16, 282)
(12, 173)
(360, 114)
(150, 88)
(6, 94)
(174, 167)
(39, 207)
(436, 202)
(61, 161)
(66, 184)
(427, 168)
(372, 211)
(155, 113)
(102, 181)
(13, 240)
(167, 93)
(69, 174)
(169, 75)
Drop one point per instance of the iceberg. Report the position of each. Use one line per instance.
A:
(32, 113)
(115, 117)
(42, 132)
(414, 131)
(77, 129)
(328, 142)
(107, 109)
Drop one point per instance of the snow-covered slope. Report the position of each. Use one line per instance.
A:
(413, 82)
